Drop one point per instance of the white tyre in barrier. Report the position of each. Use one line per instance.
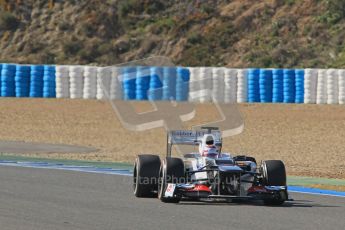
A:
(75, 69)
(62, 69)
(90, 82)
(321, 96)
(242, 83)
(205, 94)
(341, 86)
(230, 85)
(332, 86)
(103, 82)
(62, 81)
(310, 86)
(115, 84)
(218, 85)
(76, 81)
(194, 85)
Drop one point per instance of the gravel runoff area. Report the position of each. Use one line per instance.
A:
(310, 139)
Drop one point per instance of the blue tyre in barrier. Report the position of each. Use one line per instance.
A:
(36, 80)
(49, 82)
(22, 81)
(129, 82)
(278, 87)
(169, 83)
(265, 85)
(289, 85)
(182, 84)
(253, 85)
(156, 85)
(0, 77)
(299, 84)
(142, 83)
(8, 72)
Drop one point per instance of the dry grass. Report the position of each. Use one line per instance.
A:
(308, 138)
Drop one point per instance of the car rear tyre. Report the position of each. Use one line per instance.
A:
(171, 171)
(145, 175)
(274, 174)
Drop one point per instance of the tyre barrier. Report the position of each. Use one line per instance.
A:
(22, 81)
(253, 85)
(36, 81)
(230, 85)
(332, 86)
(155, 86)
(341, 75)
(90, 82)
(194, 86)
(49, 82)
(310, 86)
(8, 72)
(62, 82)
(0, 77)
(242, 81)
(142, 83)
(218, 85)
(289, 88)
(169, 83)
(103, 82)
(321, 93)
(277, 86)
(299, 84)
(197, 84)
(265, 85)
(115, 84)
(182, 83)
(129, 83)
(76, 82)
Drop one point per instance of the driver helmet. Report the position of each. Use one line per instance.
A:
(209, 140)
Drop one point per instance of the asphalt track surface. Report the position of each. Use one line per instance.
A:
(35, 199)
(25, 147)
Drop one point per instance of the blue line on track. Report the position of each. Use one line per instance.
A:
(127, 172)
(90, 169)
(315, 191)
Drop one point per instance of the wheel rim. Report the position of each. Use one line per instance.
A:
(161, 180)
(264, 172)
(135, 177)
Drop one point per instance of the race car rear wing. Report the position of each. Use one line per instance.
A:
(191, 137)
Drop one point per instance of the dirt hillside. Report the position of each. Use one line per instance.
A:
(237, 33)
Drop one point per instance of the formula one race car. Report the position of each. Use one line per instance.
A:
(208, 174)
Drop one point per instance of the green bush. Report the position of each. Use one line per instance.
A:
(71, 47)
(138, 7)
(335, 12)
(64, 26)
(88, 29)
(47, 57)
(290, 2)
(88, 55)
(8, 21)
(105, 48)
(194, 38)
(129, 6)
